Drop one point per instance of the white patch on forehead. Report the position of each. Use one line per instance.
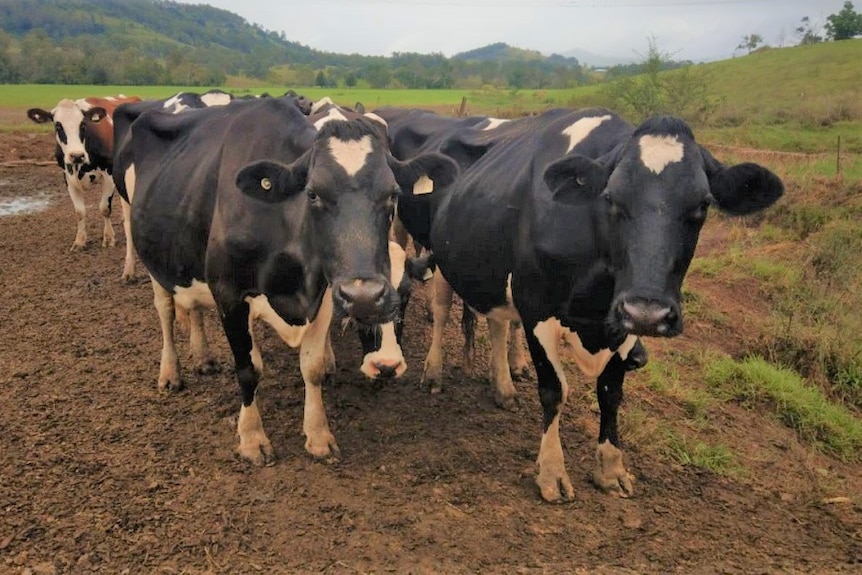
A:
(216, 99)
(332, 114)
(578, 131)
(315, 108)
(350, 154)
(175, 105)
(374, 117)
(659, 151)
(494, 123)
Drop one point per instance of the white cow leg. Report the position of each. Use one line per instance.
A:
(129, 263)
(552, 480)
(204, 361)
(501, 378)
(169, 366)
(441, 306)
(76, 193)
(108, 189)
(319, 441)
(518, 365)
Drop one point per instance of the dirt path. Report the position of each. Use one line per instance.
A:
(100, 473)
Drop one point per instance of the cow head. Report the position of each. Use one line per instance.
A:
(350, 184)
(651, 196)
(70, 127)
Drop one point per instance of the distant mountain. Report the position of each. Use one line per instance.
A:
(502, 52)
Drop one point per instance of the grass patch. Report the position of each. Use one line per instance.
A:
(687, 450)
(804, 408)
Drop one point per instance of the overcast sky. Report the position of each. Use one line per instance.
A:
(697, 30)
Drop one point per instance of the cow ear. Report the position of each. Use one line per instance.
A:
(745, 188)
(423, 174)
(742, 189)
(40, 116)
(273, 182)
(95, 114)
(576, 178)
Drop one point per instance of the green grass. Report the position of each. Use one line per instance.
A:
(756, 384)
(687, 450)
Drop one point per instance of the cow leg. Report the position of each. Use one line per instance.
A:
(129, 263)
(543, 341)
(254, 445)
(518, 365)
(468, 330)
(256, 356)
(504, 389)
(205, 362)
(76, 193)
(319, 441)
(108, 189)
(169, 366)
(441, 306)
(610, 474)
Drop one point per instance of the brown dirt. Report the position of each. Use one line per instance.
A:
(103, 474)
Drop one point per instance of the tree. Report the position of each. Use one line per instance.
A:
(750, 42)
(807, 32)
(844, 25)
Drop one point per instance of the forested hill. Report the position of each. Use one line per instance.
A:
(163, 42)
(99, 38)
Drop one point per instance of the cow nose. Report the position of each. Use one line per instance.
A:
(387, 371)
(641, 316)
(77, 158)
(363, 299)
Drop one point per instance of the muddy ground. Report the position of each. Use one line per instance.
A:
(101, 473)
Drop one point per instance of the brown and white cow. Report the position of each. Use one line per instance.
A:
(85, 149)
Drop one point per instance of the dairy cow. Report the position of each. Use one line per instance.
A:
(85, 148)
(583, 226)
(413, 131)
(249, 208)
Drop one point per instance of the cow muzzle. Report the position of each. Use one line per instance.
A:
(647, 316)
(368, 301)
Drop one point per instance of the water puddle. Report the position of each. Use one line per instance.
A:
(22, 205)
(15, 205)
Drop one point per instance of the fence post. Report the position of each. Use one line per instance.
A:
(838, 157)
(463, 106)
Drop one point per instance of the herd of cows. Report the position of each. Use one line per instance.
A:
(569, 227)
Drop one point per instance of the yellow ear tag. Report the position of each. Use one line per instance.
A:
(266, 184)
(424, 185)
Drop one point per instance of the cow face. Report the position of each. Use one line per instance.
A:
(70, 127)
(651, 199)
(350, 184)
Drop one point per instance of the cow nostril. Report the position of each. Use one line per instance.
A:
(386, 371)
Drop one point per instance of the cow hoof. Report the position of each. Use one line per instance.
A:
(129, 279)
(171, 385)
(78, 247)
(610, 474)
(509, 402)
(259, 455)
(323, 448)
(208, 367)
(520, 373)
(555, 487)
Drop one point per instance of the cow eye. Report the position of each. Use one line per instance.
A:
(699, 213)
(614, 209)
(312, 196)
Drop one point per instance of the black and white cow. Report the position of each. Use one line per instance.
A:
(583, 226)
(123, 117)
(85, 151)
(415, 131)
(249, 208)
